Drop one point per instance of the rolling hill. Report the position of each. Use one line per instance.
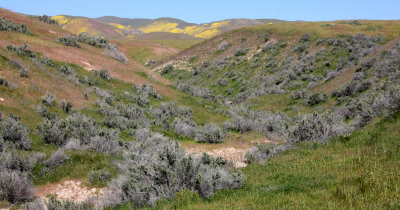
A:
(111, 26)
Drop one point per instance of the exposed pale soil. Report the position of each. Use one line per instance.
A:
(68, 189)
(233, 149)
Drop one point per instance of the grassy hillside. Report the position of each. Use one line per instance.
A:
(355, 172)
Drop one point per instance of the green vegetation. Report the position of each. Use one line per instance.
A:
(355, 172)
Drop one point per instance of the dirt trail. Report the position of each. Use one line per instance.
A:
(233, 149)
(68, 189)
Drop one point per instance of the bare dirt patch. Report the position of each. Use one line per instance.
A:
(233, 149)
(88, 66)
(68, 189)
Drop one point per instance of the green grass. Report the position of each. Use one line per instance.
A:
(141, 55)
(356, 172)
(79, 164)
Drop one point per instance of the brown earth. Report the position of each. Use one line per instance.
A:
(233, 149)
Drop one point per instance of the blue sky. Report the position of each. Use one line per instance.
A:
(202, 11)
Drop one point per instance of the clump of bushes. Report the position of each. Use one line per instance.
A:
(14, 132)
(53, 204)
(194, 90)
(316, 98)
(69, 40)
(66, 106)
(353, 88)
(99, 177)
(164, 114)
(155, 161)
(241, 51)
(23, 50)
(223, 46)
(48, 99)
(47, 19)
(15, 186)
(210, 133)
(78, 127)
(103, 73)
(56, 158)
(244, 119)
(260, 153)
(23, 72)
(96, 41)
(317, 127)
(167, 69)
(185, 127)
(8, 25)
(112, 51)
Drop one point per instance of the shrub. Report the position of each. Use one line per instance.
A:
(167, 69)
(315, 127)
(148, 90)
(96, 41)
(12, 130)
(23, 72)
(166, 111)
(17, 160)
(223, 46)
(66, 106)
(112, 51)
(151, 62)
(210, 133)
(315, 98)
(81, 128)
(353, 88)
(8, 25)
(103, 144)
(99, 177)
(241, 51)
(56, 158)
(300, 94)
(23, 50)
(103, 73)
(73, 144)
(47, 19)
(305, 38)
(194, 90)
(3, 81)
(244, 119)
(69, 40)
(159, 163)
(223, 82)
(15, 187)
(34, 205)
(272, 47)
(184, 127)
(48, 99)
(260, 153)
(299, 48)
(53, 204)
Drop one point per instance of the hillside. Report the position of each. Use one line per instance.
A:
(284, 115)
(134, 28)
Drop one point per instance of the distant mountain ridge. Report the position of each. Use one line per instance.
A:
(137, 28)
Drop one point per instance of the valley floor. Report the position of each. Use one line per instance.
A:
(356, 172)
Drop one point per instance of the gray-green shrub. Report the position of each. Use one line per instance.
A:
(157, 162)
(8, 25)
(210, 133)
